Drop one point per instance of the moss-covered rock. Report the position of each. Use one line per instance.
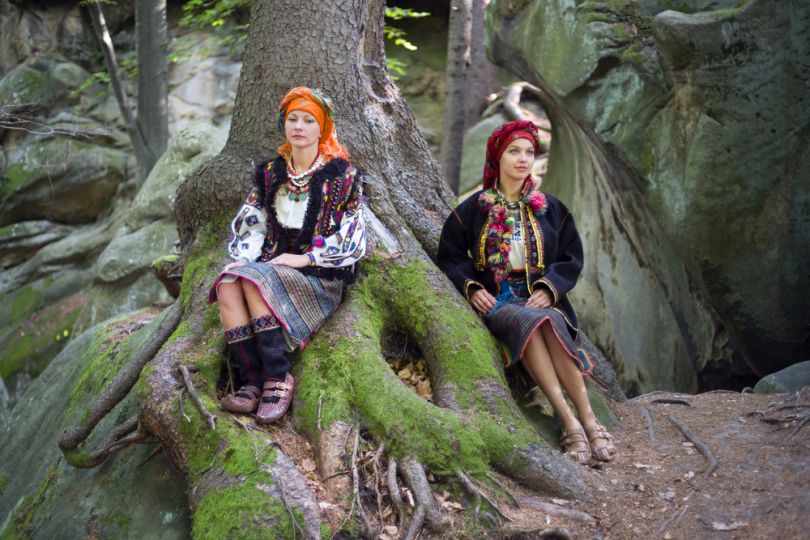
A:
(680, 143)
(790, 379)
(70, 181)
(130, 496)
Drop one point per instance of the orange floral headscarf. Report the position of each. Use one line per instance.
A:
(318, 105)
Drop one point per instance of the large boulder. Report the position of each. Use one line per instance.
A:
(790, 379)
(681, 143)
(64, 180)
(18, 242)
(123, 277)
(132, 495)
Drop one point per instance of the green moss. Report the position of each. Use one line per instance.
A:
(105, 365)
(443, 328)
(14, 177)
(25, 302)
(165, 259)
(21, 522)
(232, 513)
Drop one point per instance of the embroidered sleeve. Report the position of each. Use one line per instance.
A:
(248, 229)
(348, 244)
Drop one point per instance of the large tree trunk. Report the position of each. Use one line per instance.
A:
(153, 76)
(240, 483)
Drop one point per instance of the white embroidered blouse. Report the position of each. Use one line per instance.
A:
(249, 229)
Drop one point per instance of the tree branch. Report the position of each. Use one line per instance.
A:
(115, 392)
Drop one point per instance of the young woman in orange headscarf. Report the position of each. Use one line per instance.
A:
(295, 242)
(514, 252)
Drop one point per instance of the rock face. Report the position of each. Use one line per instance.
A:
(123, 279)
(41, 496)
(682, 142)
(77, 233)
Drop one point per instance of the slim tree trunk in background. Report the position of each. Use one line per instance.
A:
(107, 49)
(483, 74)
(153, 80)
(459, 61)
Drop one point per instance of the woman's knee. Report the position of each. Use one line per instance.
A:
(230, 296)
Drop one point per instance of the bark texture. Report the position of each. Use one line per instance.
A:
(153, 70)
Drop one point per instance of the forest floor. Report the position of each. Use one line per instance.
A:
(652, 489)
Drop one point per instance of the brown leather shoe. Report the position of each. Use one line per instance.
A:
(268, 411)
(244, 401)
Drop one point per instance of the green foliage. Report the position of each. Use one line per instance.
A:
(397, 67)
(226, 18)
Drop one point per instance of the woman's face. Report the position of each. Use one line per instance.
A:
(301, 129)
(516, 161)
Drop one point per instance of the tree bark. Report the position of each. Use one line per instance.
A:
(457, 76)
(483, 74)
(153, 79)
(110, 60)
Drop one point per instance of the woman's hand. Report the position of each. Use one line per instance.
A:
(291, 260)
(483, 301)
(539, 299)
(234, 264)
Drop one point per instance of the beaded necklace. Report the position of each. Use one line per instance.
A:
(297, 185)
(502, 223)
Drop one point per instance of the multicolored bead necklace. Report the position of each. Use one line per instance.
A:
(297, 185)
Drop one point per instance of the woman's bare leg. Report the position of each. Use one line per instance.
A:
(254, 299)
(231, 301)
(537, 361)
(571, 378)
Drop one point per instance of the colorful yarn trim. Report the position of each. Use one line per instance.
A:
(238, 333)
(264, 323)
(502, 224)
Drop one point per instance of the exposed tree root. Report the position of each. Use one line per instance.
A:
(356, 502)
(393, 492)
(209, 418)
(414, 474)
(699, 444)
(645, 412)
(673, 401)
(802, 422)
(671, 519)
(557, 510)
(478, 494)
(661, 393)
(415, 525)
(73, 437)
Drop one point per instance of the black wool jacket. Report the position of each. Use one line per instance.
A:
(553, 243)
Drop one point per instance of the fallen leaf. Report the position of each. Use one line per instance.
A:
(640, 466)
(391, 529)
(309, 465)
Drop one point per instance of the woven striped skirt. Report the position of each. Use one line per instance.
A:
(300, 302)
(514, 324)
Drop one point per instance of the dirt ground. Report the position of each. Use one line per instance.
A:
(658, 489)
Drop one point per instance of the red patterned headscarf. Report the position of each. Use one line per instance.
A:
(499, 140)
(319, 105)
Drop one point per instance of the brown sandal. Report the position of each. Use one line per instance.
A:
(605, 452)
(244, 401)
(570, 440)
(270, 411)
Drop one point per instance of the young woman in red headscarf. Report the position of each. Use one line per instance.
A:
(295, 242)
(514, 252)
